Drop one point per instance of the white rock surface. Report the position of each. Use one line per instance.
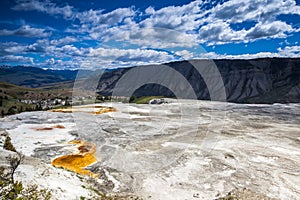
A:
(181, 150)
(26, 139)
(61, 183)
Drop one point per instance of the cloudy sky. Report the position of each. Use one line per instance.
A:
(104, 34)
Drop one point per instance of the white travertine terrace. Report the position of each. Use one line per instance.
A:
(185, 149)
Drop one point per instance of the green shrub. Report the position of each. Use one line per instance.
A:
(8, 145)
(12, 110)
(16, 191)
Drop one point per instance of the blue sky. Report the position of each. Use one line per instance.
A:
(107, 34)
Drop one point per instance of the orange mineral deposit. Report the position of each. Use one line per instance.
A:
(78, 161)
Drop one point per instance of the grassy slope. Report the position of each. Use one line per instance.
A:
(10, 94)
(18, 92)
(145, 100)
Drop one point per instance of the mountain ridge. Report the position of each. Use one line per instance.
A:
(35, 77)
(260, 80)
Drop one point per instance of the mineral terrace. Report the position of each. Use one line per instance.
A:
(183, 149)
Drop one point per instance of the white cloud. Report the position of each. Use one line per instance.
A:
(175, 26)
(178, 26)
(97, 17)
(213, 24)
(97, 57)
(110, 58)
(171, 26)
(26, 31)
(186, 55)
(250, 56)
(220, 32)
(154, 37)
(55, 48)
(46, 7)
(168, 27)
(125, 55)
(190, 24)
(276, 29)
(289, 51)
(236, 11)
(39, 46)
(10, 48)
(150, 11)
(59, 64)
(174, 17)
(50, 61)
(17, 59)
(263, 13)
(286, 52)
(71, 50)
(65, 40)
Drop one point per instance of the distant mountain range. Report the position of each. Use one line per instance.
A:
(36, 77)
(264, 80)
